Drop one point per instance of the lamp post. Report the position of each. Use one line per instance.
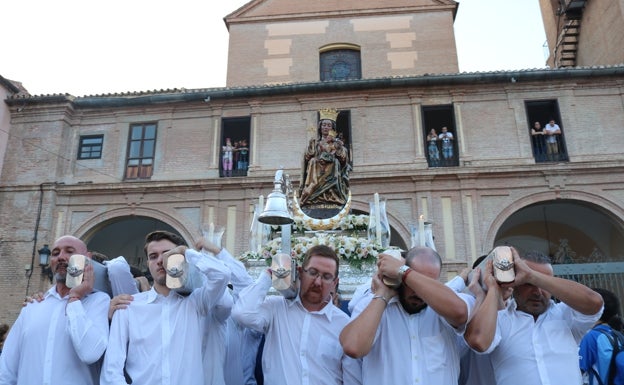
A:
(44, 262)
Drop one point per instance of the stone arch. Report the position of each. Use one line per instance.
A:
(594, 207)
(127, 229)
(87, 229)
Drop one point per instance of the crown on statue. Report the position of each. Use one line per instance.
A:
(328, 113)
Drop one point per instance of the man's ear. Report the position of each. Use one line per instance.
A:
(88, 255)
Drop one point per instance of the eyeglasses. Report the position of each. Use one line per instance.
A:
(325, 277)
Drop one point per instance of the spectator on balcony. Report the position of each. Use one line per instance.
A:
(539, 145)
(235, 155)
(228, 157)
(553, 133)
(243, 158)
(447, 145)
(432, 148)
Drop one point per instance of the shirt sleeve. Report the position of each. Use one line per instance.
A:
(223, 308)
(9, 359)
(120, 277)
(114, 360)
(87, 325)
(239, 278)
(457, 284)
(469, 301)
(579, 323)
(351, 370)
(251, 309)
(217, 277)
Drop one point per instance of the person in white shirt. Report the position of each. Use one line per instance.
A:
(447, 145)
(59, 339)
(534, 340)
(412, 337)
(474, 368)
(229, 349)
(301, 346)
(158, 337)
(552, 132)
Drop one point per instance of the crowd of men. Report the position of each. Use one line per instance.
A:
(421, 332)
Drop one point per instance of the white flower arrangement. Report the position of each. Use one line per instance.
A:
(350, 222)
(346, 240)
(356, 251)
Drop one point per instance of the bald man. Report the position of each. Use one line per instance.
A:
(412, 333)
(58, 340)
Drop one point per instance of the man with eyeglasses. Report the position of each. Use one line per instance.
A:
(409, 334)
(301, 345)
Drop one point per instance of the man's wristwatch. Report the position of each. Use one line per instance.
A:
(402, 271)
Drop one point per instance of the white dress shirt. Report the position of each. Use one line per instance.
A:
(159, 339)
(54, 342)
(224, 361)
(554, 128)
(420, 348)
(544, 352)
(474, 369)
(120, 277)
(301, 347)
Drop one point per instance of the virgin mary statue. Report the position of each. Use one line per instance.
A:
(325, 176)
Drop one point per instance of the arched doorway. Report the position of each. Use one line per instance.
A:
(125, 236)
(569, 231)
(584, 241)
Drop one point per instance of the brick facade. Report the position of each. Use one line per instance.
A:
(45, 191)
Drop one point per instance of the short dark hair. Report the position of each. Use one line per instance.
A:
(4, 328)
(321, 251)
(159, 235)
(99, 257)
(611, 304)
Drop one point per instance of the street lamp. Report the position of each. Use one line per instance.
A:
(44, 262)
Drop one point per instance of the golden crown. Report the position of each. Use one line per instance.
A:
(328, 113)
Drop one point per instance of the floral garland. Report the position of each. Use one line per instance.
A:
(355, 250)
(350, 222)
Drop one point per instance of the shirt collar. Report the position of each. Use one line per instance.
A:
(152, 294)
(327, 310)
(54, 293)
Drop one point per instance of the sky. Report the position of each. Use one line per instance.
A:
(88, 48)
